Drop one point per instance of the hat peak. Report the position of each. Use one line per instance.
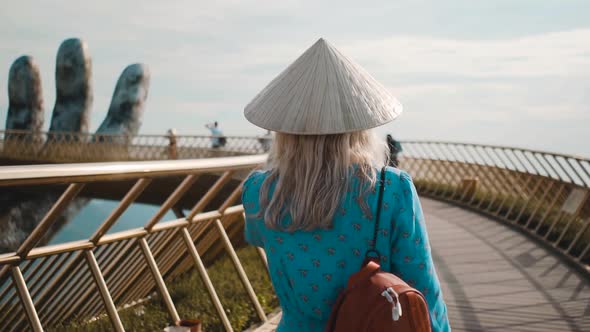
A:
(320, 43)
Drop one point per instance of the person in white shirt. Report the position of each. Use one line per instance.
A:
(217, 139)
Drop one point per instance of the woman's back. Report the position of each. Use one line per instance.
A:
(323, 108)
(310, 268)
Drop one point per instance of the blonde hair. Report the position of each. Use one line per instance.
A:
(312, 175)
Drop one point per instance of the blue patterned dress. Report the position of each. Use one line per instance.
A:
(309, 269)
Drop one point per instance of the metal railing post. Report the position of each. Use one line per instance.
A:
(25, 298)
(56, 210)
(575, 215)
(205, 278)
(549, 208)
(578, 236)
(516, 185)
(427, 166)
(104, 291)
(241, 273)
(491, 168)
(470, 159)
(499, 172)
(149, 258)
(440, 163)
(584, 252)
(539, 204)
(463, 168)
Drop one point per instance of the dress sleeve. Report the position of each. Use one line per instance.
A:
(411, 258)
(252, 231)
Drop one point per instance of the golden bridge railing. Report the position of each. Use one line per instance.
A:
(88, 277)
(82, 147)
(544, 194)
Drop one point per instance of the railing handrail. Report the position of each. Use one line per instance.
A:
(496, 146)
(86, 172)
(67, 147)
(182, 136)
(80, 134)
(568, 168)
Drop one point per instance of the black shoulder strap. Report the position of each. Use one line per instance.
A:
(372, 249)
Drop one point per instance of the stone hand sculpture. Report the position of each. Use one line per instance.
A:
(25, 109)
(21, 210)
(124, 115)
(73, 83)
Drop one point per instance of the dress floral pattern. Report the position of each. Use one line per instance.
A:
(309, 269)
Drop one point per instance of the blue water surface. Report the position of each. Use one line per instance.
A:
(89, 218)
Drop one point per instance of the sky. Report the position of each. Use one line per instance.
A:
(505, 72)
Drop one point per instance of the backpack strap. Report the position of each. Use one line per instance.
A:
(372, 254)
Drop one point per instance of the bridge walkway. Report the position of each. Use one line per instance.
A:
(496, 279)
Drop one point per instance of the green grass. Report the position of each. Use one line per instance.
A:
(192, 301)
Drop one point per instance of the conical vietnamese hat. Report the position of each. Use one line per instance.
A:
(322, 92)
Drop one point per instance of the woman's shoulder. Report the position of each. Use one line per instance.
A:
(256, 178)
(399, 184)
(393, 173)
(252, 184)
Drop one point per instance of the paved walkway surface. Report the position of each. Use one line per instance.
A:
(496, 279)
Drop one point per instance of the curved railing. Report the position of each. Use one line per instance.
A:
(82, 147)
(59, 282)
(546, 195)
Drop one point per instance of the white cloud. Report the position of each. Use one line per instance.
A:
(558, 53)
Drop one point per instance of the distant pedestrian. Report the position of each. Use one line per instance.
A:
(172, 148)
(265, 141)
(395, 147)
(217, 138)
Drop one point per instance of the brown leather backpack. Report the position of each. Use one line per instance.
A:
(375, 300)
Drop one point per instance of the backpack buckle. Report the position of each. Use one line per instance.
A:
(396, 311)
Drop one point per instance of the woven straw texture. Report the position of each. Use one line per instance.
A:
(322, 92)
